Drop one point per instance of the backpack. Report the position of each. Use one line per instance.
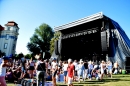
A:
(41, 67)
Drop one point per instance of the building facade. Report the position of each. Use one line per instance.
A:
(8, 37)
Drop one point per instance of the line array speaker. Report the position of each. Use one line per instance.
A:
(104, 41)
(56, 48)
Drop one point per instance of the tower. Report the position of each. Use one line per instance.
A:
(8, 38)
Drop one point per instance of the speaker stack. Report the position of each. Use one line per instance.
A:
(104, 41)
(56, 48)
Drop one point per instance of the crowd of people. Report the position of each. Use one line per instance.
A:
(67, 71)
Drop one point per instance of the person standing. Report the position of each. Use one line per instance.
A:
(102, 65)
(54, 70)
(109, 66)
(31, 67)
(86, 68)
(81, 70)
(40, 71)
(23, 65)
(116, 67)
(90, 68)
(3, 66)
(71, 71)
(65, 66)
(75, 63)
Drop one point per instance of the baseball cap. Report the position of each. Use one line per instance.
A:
(54, 59)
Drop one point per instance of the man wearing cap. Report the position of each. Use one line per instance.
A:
(5, 63)
(71, 71)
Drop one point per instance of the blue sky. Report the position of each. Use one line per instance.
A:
(29, 14)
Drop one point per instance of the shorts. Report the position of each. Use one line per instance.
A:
(109, 70)
(54, 73)
(70, 80)
(31, 68)
(65, 73)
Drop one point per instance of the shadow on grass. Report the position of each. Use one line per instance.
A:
(93, 82)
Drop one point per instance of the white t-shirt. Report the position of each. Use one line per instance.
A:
(65, 67)
(76, 65)
(54, 65)
(2, 71)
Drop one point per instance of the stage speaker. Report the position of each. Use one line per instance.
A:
(104, 41)
(127, 64)
(128, 61)
(56, 48)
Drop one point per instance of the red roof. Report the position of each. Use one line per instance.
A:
(11, 23)
(1, 28)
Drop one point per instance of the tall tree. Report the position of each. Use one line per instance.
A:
(40, 41)
(52, 42)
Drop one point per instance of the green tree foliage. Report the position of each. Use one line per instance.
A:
(52, 42)
(19, 56)
(28, 56)
(40, 41)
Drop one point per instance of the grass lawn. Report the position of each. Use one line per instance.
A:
(117, 80)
